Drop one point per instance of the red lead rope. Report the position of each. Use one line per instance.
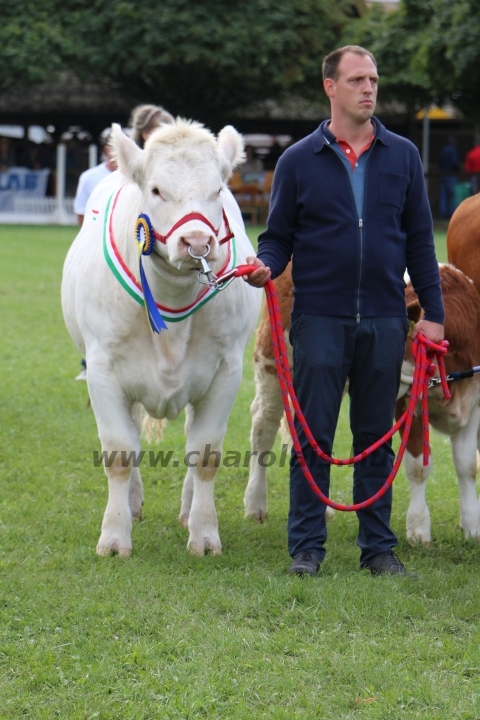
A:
(422, 349)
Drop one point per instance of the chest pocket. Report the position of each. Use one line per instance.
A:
(392, 188)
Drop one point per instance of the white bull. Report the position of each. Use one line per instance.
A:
(178, 181)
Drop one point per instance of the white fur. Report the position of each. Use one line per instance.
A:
(460, 420)
(196, 363)
(418, 515)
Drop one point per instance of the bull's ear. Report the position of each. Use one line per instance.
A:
(230, 148)
(414, 311)
(127, 155)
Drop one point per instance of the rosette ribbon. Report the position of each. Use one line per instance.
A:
(145, 237)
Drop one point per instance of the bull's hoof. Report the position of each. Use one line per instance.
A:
(137, 514)
(205, 548)
(416, 537)
(113, 549)
(472, 533)
(259, 515)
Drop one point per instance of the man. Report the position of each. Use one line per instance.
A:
(472, 166)
(449, 166)
(90, 178)
(349, 207)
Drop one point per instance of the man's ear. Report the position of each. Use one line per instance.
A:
(329, 87)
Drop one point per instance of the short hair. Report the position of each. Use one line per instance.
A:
(332, 60)
(145, 118)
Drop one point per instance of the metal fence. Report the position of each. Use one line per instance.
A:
(40, 211)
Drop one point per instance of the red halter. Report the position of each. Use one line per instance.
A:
(197, 216)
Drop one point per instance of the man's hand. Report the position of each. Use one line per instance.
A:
(259, 277)
(432, 331)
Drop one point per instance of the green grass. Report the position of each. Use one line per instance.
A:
(441, 246)
(167, 635)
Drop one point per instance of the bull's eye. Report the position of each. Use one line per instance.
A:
(214, 195)
(155, 191)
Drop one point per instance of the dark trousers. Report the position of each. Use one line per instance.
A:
(327, 351)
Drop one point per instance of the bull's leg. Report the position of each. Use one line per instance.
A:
(266, 411)
(135, 495)
(121, 443)
(187, 497)
(464, 451)
(187, 491)
(205, 432)
(418, 515)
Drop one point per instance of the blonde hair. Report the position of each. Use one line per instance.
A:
(145, 118)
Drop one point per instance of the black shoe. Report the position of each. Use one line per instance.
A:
(387, 563)
(304, 563)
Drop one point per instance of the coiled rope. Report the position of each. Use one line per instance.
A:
(423, 351)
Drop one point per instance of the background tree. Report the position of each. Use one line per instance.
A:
(32, 42)
(203, 59)
(451, 53)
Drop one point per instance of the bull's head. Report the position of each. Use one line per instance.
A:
(181, 173)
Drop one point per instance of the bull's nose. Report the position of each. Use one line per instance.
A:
(198, 244)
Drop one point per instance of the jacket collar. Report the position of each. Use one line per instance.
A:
(322, 135)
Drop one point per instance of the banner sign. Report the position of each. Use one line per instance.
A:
(20, 182)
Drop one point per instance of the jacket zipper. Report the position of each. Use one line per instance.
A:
(360, 225)
(360, 220)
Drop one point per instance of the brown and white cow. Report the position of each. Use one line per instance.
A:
(459, 417)
(463, 239)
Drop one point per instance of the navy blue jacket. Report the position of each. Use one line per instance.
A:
(343, 264)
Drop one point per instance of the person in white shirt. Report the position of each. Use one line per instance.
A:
(90, 178)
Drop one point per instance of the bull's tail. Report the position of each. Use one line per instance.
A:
(152, 429)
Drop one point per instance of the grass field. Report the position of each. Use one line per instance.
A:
(167, 635)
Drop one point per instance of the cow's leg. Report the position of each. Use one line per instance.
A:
(464, 452)
(187, 491)
(266, 411)
(187, 497)
(120, 439)
(418, 515)
(135, 495)
(206, 431)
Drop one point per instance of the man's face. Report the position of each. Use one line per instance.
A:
(354, 93)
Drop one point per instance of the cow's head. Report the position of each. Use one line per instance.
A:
(181, 171)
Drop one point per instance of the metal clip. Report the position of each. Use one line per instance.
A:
(206, 276)
(206, 271)
(224, 281)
